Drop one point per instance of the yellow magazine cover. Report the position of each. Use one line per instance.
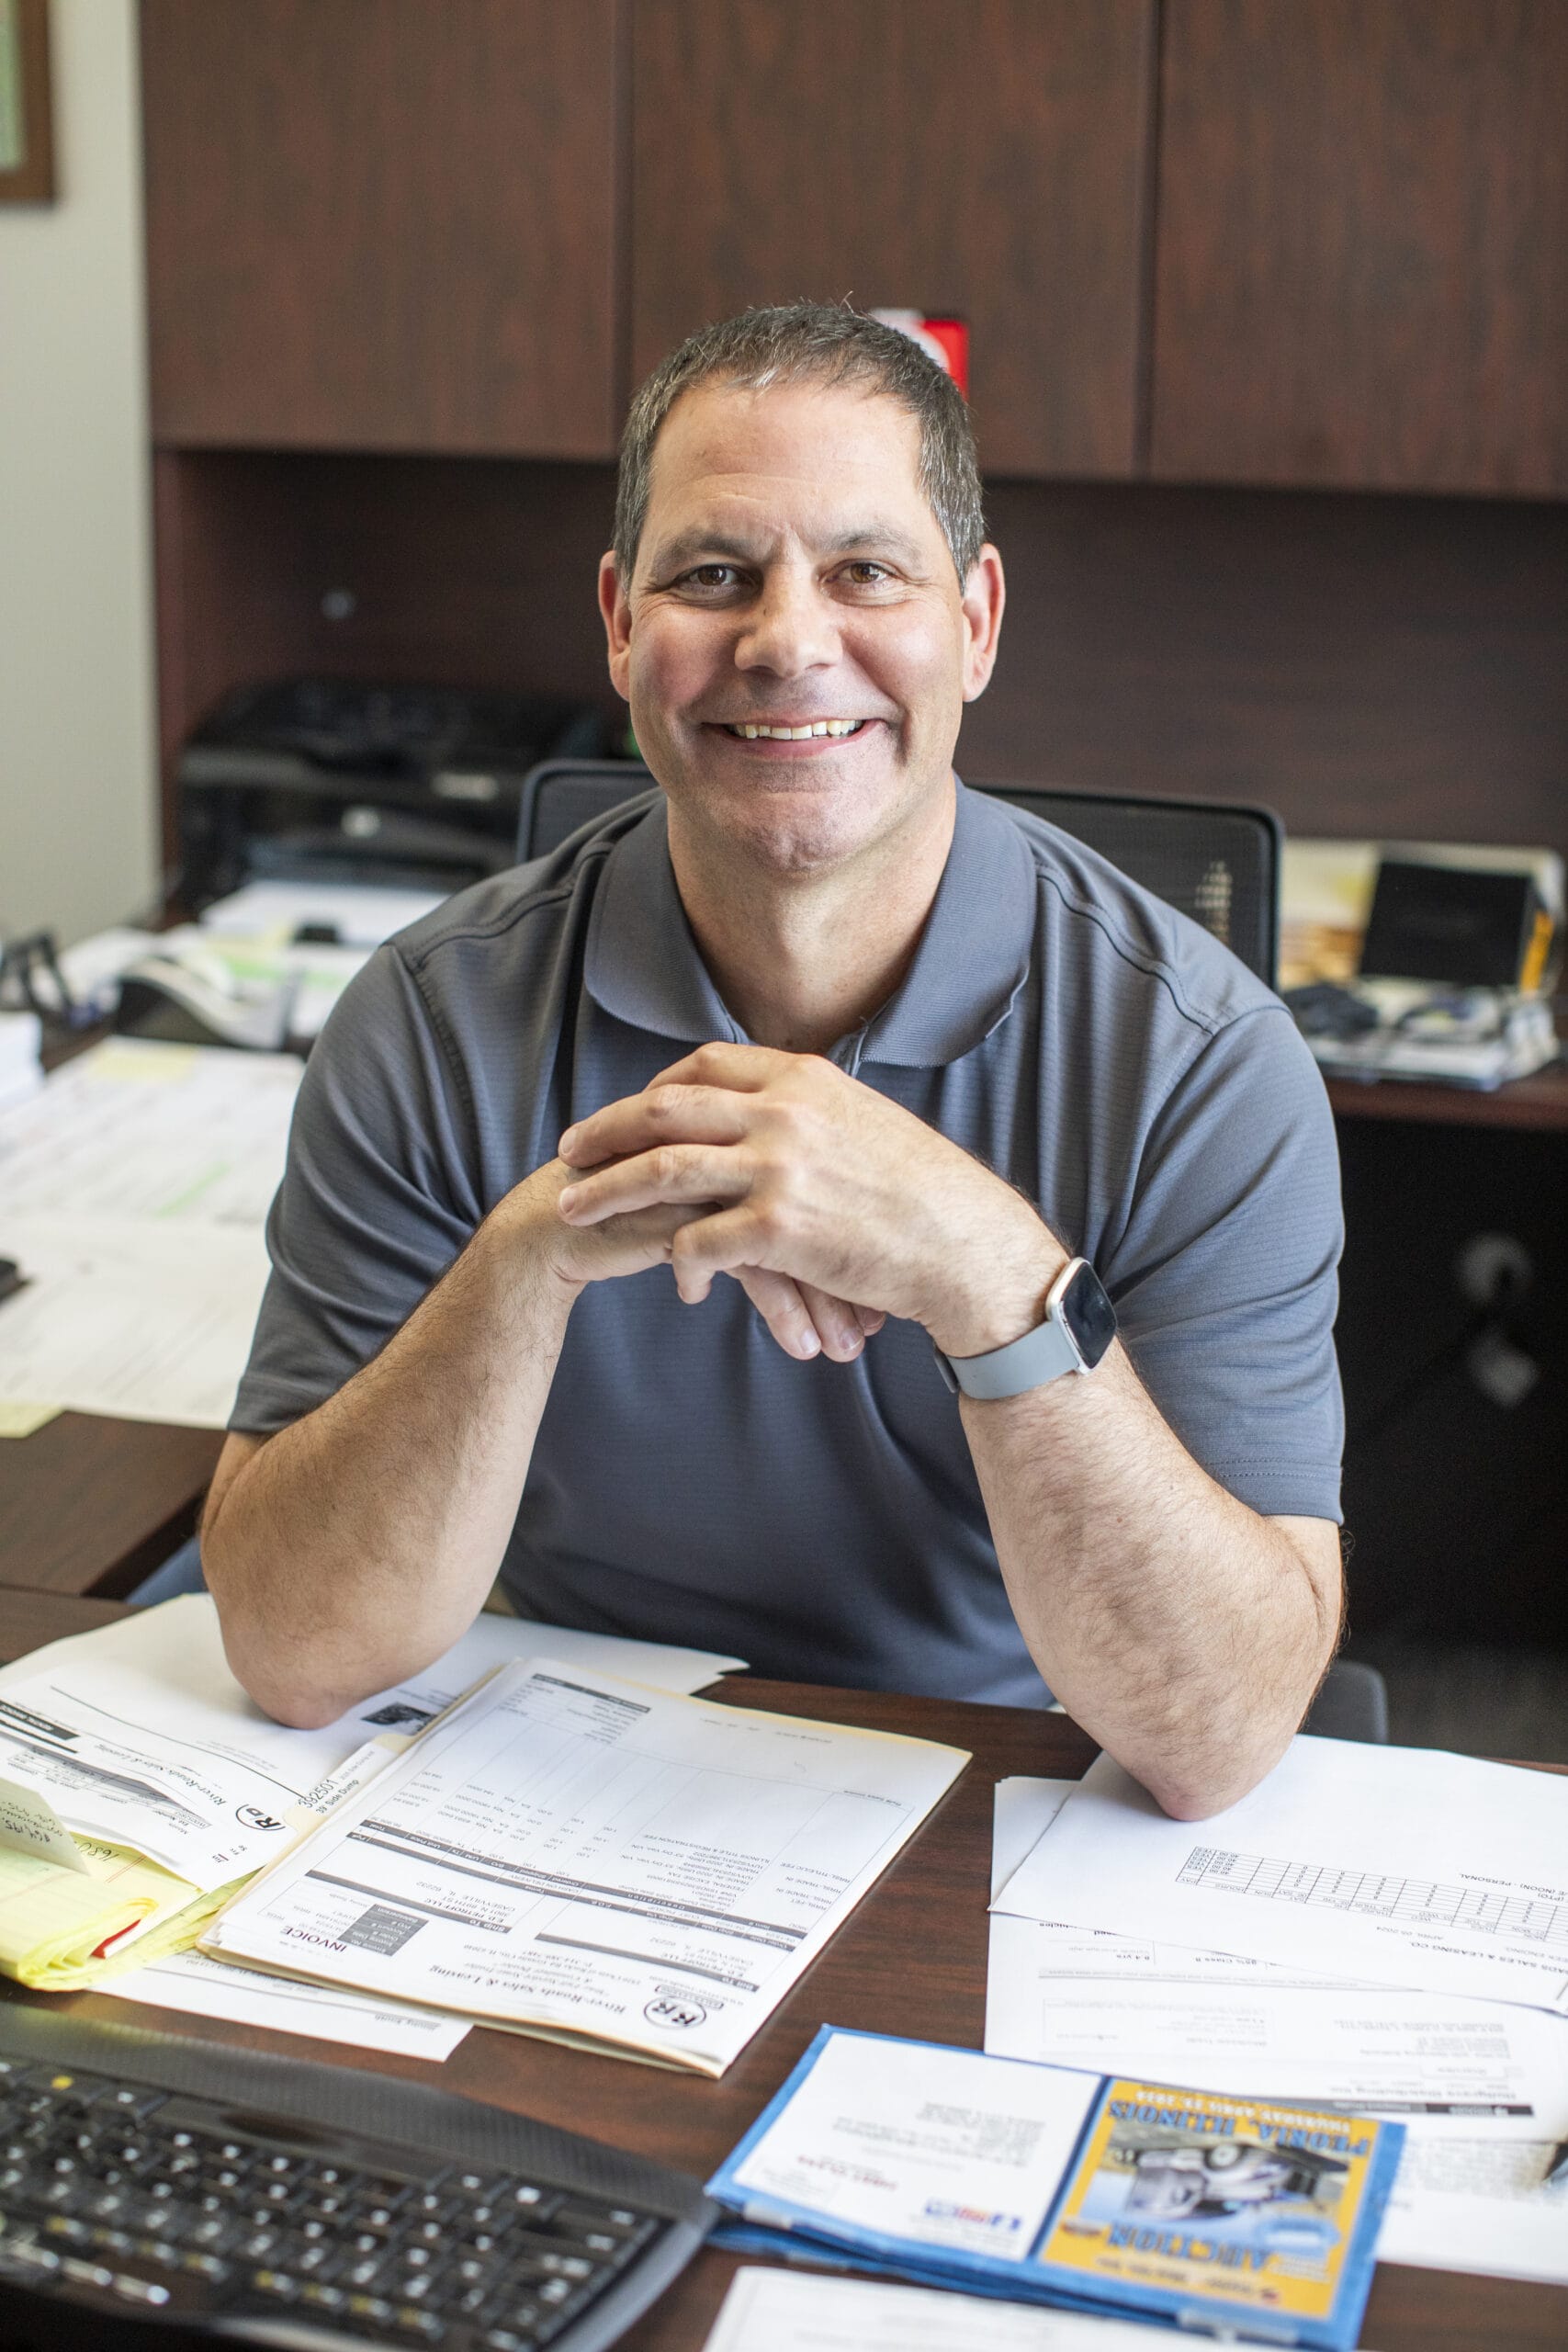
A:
(1179, 2198)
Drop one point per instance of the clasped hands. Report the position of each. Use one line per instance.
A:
(830, 1205)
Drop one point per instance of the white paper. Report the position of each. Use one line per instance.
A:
(905, 2140)
(145, 1322)
(581, 1854)
(1407, 1866)
(138, 1734)
(792, 2311)
(29, 1825)
(135, 1130)
(1024, 1809)
(215, 1988)
(363, 917)
(1440, 2058)
(1478, 2204)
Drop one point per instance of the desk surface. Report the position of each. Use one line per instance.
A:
(912, 1961)
(89, 1505)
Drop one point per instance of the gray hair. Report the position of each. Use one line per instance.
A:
(822, 343)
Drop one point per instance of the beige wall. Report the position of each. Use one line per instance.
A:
(77, 768)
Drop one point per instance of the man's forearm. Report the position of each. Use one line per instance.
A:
(359, 1543)
(1183, 1631)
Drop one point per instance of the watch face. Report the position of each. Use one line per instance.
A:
(1088, 1314)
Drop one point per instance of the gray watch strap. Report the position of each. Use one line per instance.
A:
(1041, 1355)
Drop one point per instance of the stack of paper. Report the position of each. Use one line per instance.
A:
(572, 1854)
(140, 1785)
(1382, 1927)
(21, 1073)
(135, 1187)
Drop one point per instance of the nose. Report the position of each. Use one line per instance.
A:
(791, 629)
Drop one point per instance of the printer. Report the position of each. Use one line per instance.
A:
(331, 779)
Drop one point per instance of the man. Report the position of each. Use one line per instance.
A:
(633, 1197)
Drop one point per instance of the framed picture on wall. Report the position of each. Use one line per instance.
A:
(26, 118)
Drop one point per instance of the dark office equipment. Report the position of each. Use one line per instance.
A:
(157, 2191)
(1321, 1009)
(31, 979)
(1217, 862)
(1459, 925)
(170, 997)
(315, 779)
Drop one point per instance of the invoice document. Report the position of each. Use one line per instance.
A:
(138, 1734)
(574, 1854)
(1406, 1866)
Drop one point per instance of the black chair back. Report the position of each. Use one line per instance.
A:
(1217, 861)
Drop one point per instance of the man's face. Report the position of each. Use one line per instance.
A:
(792, 575)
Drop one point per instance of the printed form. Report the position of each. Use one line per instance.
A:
(1482, 2086)
(586, 1858)
(1407, 1866)
(138, 1734)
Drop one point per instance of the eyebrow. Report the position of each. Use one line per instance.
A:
(689, 547)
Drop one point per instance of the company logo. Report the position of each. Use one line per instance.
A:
(254, 1818)
(669, 2011)
(939, 2210)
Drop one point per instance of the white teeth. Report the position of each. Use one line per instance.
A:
(798, 734)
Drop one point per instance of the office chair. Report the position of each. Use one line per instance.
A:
(1217, 862)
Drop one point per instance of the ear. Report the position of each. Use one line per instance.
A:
(984, 596)
(615, 608)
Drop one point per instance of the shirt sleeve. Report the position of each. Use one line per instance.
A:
(378, 1198)
(1225, 1272)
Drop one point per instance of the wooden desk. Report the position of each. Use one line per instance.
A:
(1537, 1103)
(92, 1506)
(912, 1961)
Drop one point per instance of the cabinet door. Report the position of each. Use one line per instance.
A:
(381, 224)
(983, 158)
(1362, 244)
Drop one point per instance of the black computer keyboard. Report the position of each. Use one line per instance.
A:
(155, 2191)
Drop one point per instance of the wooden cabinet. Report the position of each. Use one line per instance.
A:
(979, 157)
(382, 224)
(1363, 245)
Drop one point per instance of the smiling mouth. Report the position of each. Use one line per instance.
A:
(748, 732)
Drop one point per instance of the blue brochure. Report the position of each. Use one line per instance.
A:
(1042, 2184)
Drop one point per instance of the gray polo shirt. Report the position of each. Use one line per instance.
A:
(689, 1481)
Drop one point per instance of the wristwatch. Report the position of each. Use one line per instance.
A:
(1079, 1326)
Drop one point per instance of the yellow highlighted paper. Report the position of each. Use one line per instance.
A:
(64, 1930)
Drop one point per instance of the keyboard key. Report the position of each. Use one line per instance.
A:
(276, 2285)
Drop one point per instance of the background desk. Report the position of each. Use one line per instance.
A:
(910, 1961)
(89, 1505)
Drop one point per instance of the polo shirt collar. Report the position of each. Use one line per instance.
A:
(642, 965)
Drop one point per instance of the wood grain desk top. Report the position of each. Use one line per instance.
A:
(910, 1961)
(1538, 1104)
(89, 1505)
